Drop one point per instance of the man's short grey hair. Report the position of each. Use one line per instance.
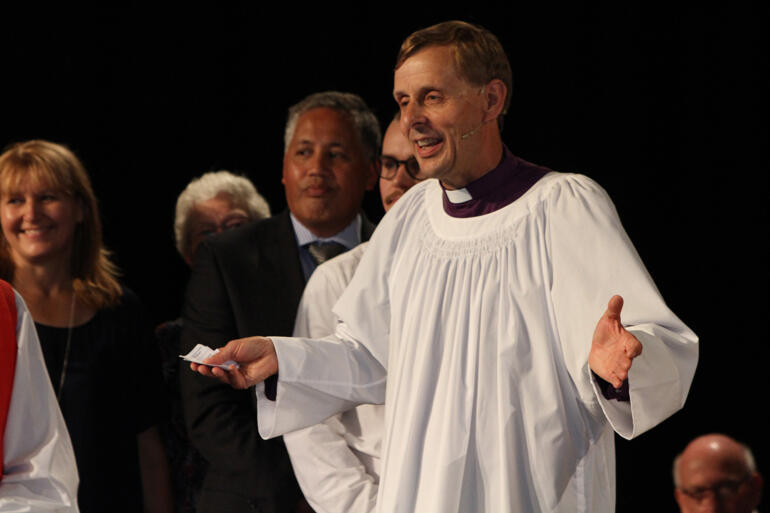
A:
(364, 120)
(748, 460)
(242, 193)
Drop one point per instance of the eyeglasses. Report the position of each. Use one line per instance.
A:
(723, 490)
(389, 167)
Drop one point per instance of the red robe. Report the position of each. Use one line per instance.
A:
(7, 355)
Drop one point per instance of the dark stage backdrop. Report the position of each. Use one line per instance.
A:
(659, 105)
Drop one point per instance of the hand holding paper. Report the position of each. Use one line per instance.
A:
(242, 363)
(199, 353)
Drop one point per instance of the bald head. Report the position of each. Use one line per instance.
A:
(716, 473)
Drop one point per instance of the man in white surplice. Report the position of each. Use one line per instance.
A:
(473, 316)
(337, 462)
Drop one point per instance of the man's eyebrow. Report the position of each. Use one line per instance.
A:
(332, 143)
(420, 92)
(429, 88)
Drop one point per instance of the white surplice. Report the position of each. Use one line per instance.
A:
(336, 462)
(39, 471)
(477, 332)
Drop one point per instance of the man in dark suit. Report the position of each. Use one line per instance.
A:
(250, 280)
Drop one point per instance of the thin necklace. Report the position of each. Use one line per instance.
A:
(67, 348)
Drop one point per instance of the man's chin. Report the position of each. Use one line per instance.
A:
(430, 169)
(438, 166)
(392, 198)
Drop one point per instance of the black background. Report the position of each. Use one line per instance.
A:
(661, 105)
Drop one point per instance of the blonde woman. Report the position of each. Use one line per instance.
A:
(91, 329)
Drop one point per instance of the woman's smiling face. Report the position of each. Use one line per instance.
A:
(38, 222)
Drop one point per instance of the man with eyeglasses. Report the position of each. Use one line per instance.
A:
(399, 166)
(337, 462)
(716, 474)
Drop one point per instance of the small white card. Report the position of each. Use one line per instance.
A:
(201, 352)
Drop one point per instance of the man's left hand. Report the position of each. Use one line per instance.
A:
(613, 348)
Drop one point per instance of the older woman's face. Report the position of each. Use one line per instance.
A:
(210, 217)
(39, 223)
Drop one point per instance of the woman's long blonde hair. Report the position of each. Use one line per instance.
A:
(94, 276)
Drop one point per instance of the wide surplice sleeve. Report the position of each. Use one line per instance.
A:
(330, 473)
(318, 378)
(39, 471)
(591, 259)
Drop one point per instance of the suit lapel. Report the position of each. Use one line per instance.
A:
(367, 228)
(284, 254)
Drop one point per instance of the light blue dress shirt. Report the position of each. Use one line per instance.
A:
(349, 237)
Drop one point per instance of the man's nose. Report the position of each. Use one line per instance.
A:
(711, 504)
(411, 114)
(320, 163)
(402, 178)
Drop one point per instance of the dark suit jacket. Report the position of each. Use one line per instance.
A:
(245, 282)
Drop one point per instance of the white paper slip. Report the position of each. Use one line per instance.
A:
(201, 352)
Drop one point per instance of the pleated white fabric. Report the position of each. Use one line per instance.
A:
(475, 333)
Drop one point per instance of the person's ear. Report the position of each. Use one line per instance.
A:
(373, 174)
(755, 482)
(678, 495)
(494, 99)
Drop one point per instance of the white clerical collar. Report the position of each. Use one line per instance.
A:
(458, 195)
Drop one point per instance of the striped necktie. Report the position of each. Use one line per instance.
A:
(323, 251)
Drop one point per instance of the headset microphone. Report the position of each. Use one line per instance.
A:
(473, 131)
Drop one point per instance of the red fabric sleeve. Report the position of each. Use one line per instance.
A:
(7, 356)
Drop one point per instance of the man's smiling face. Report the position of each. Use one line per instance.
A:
(440, 113)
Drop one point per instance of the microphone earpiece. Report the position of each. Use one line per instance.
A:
(473, 131)
(468, 134)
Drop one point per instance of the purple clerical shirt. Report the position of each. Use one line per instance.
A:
(496, 189)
